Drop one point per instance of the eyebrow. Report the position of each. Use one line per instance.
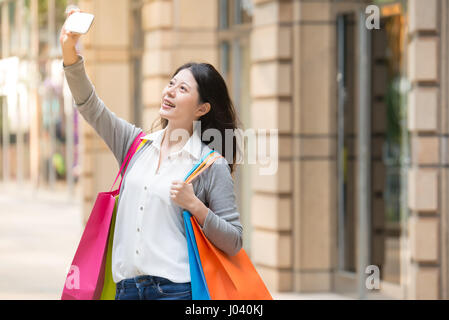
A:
(182, 82)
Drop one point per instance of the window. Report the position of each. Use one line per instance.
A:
(235, 12)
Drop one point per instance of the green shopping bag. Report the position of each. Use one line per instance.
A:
(109, 286)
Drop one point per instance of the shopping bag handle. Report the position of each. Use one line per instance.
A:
(132, 149)
(202, 165)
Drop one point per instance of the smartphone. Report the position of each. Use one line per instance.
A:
(79, 22)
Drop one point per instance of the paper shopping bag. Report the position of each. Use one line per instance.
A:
(86, 278)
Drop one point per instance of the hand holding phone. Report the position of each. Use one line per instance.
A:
(71, 31)
(79, 22)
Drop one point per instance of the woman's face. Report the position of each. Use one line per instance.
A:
(182, 92)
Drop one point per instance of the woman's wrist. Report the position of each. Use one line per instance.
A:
(199, 210)
(70, 56)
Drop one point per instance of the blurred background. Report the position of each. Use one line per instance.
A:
(359, 98)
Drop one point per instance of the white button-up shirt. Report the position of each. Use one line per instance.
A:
(149, 237)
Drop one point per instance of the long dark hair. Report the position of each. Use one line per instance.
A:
(222, 115)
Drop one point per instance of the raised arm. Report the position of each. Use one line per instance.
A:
(117, 133)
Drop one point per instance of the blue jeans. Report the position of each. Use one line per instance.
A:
(152, 288)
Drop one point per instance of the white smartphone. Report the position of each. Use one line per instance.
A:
(79, 22)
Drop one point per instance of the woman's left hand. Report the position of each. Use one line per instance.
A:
(182, 194)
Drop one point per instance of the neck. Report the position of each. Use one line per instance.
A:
(170, 129)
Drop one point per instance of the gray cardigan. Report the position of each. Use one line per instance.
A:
(214, 186)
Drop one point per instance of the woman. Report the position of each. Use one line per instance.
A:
(149, 255)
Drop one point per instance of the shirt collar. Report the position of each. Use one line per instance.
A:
(192, 146)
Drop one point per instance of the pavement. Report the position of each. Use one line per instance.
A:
(39, 234)
(309, 296)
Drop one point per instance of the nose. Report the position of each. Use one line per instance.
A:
(171, 91)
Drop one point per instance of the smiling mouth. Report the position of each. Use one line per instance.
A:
(168, 104)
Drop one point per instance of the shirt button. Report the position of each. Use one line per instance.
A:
(137, 251)
(145, 188)
(141, 208)
(138, 229)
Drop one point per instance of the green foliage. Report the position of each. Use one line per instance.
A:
(393, 100)
(60, 6)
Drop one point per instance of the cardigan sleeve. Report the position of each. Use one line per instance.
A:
(222, 224)
(116, 132)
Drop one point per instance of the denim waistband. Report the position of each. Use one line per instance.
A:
(131, 282)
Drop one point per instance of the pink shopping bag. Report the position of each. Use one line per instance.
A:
(86, 275)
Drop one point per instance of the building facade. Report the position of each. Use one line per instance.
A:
(358, 93)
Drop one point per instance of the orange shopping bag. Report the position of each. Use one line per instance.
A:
(228, 277)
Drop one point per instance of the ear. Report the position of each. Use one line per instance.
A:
(203, 109)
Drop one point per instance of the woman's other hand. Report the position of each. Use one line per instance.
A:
(183, 195)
